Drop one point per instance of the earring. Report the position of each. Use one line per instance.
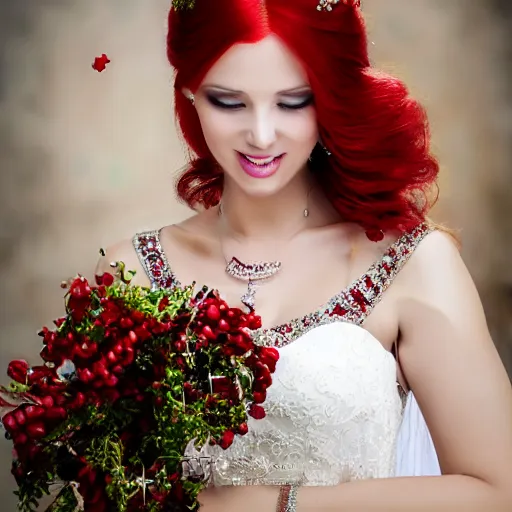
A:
(327, 152)
(191, 98)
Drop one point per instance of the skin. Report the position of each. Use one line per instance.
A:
(446, 353)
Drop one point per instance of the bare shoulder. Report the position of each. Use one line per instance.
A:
(435, 264)
(123, 251)
(436, 283)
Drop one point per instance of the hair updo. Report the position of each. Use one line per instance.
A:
(380, 173)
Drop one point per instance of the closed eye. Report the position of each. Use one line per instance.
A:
(297, 106)
(223, 104)
(231, 105)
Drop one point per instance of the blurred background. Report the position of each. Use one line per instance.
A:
(89, 158)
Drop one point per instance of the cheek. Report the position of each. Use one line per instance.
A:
(217, 129)
(302, 128)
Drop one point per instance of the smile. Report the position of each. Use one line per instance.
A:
(259, 167)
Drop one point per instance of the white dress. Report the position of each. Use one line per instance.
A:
(335, 412)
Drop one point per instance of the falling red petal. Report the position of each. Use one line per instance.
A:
(100, 63)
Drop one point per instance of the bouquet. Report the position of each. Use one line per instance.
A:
(135, 385)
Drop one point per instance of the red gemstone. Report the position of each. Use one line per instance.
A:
(339, 311)
(359, 299)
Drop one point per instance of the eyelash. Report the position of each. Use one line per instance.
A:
(237, 106)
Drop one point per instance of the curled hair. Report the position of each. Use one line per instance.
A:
(380, 172)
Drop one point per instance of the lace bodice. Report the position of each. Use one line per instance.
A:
(334, 410)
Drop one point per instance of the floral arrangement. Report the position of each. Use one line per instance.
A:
(133, 381)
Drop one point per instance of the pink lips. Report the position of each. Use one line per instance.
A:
(259, 171)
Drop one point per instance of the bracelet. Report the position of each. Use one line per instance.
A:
(287, 501)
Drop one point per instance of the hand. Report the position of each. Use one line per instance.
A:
(250, 498)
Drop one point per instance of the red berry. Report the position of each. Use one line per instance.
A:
(56, 414)
(111, 381)
(128, 356)
(21, 419)
(36, 430)
(227, 439)
(180, 346)
(213, 313)
(117, 369)
(257, 412)
(20, 438)
(259, 397)
(79, 400)
(10, 422)
(111, 357)
(33, 412)
(208, 333)
(118, 349)
(100, 370)
(243, 429)
(85, 375)
(47, 401)
(223, 325)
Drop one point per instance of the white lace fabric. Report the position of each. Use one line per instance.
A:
(333, 414)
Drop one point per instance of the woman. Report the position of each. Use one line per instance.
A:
(307, 160)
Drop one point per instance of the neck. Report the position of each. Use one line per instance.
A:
(276, 217)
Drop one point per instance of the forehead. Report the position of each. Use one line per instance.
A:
(265, 66)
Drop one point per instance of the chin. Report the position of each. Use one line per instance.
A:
(261, 190)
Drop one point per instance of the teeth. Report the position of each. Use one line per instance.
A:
(259, 161)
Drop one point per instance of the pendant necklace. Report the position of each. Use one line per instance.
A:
(252, 273)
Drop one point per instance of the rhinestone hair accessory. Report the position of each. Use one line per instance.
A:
(181, 5)
(328, 5)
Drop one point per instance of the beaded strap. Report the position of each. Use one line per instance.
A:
(153, 259)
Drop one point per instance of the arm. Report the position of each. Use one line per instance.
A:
(450, 362)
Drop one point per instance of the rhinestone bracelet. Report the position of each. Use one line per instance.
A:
(287, 501)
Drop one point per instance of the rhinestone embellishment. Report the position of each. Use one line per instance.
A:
(327, 5)
(352, 305)
(253, 271)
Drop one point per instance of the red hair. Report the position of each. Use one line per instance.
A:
(380, 172)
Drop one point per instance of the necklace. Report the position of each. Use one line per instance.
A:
(252, 273)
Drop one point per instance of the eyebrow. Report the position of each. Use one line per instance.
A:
(294, 90)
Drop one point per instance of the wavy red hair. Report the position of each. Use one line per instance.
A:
(381, 172)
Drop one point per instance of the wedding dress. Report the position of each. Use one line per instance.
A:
(335, 411)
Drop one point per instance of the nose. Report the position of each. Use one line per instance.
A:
(262, 133)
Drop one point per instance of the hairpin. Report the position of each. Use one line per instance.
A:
(183, 4)
(327, 5)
